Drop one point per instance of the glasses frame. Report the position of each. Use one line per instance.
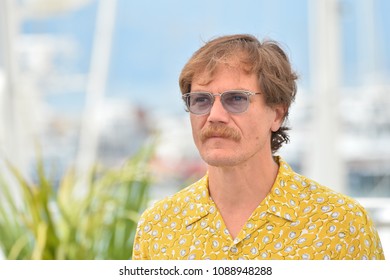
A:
(186, 97)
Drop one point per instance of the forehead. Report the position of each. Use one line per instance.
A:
(235, 75)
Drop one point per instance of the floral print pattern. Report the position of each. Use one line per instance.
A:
(298, 220)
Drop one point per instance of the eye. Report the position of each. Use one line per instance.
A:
(238, 97)
(235, 97)
(200, 99)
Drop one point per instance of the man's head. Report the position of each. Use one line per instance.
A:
(266, 60)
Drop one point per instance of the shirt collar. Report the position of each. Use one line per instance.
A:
(284, 196)
(197, 201)
(282, 200)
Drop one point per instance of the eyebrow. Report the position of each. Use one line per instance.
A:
(233, 89)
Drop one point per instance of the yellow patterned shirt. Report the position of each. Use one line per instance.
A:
(299, 219)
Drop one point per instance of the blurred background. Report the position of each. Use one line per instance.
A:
(93, 81)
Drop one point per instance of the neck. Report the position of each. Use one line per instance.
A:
(244, 184)
(237, 191)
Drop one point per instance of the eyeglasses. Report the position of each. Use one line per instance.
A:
(233, 101)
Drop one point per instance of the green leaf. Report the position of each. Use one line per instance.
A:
(74, 220)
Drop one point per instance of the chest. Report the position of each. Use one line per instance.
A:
(262, 239)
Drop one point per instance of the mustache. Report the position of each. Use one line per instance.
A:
(219, 130)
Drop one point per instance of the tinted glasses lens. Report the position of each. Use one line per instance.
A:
(235, 101)
(199, 103)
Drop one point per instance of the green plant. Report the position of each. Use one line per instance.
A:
(91, 220)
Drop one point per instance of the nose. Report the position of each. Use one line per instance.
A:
(218, 112)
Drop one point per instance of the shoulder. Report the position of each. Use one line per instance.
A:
(335, 217)
(338, 215)
(314, 197)
(173, 204)
(346, 221)
(312, 202)
(310, 196)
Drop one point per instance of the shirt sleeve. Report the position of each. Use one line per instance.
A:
(139, 252)
(362, 241)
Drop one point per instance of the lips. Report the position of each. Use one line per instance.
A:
(217, 136)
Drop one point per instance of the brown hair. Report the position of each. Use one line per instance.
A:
(266, 59)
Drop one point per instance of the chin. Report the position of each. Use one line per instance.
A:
(220, 161)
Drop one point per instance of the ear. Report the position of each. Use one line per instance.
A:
(280, 113)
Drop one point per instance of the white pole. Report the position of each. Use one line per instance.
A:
(12, 111)
(369, 44)
(96, 85)
(324, 161)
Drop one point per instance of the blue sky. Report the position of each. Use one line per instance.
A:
(154, 39)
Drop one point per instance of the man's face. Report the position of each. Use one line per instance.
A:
(226, 139)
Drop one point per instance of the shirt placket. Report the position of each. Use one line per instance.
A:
(236, 247)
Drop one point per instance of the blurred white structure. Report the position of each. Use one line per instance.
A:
(324, 158)
(12, 129)
(45, 8)
(96, 86)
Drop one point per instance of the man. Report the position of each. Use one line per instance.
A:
(250, 204)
